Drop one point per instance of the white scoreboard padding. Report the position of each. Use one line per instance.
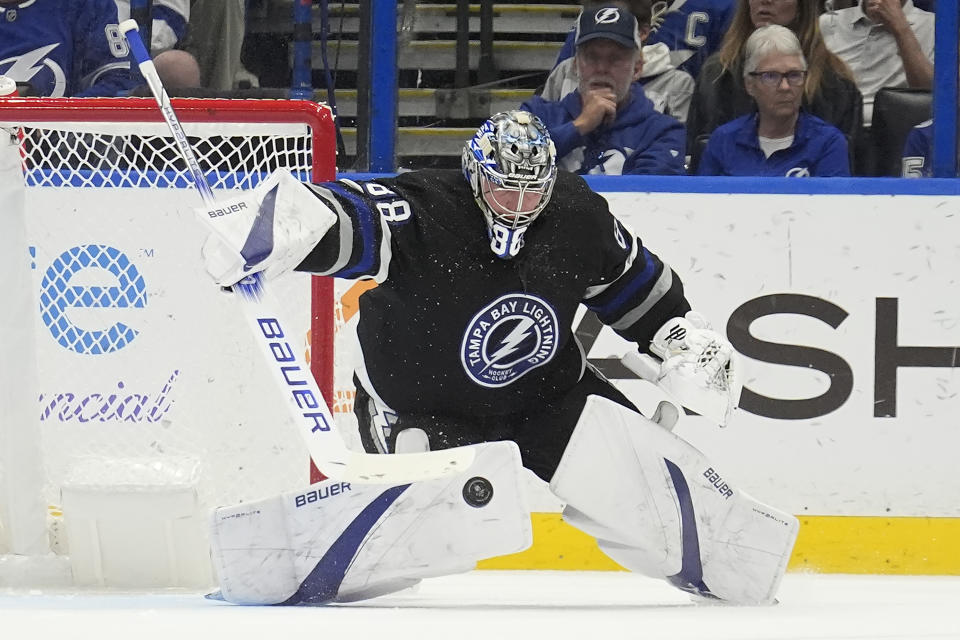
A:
(849, 308)
(140, 354)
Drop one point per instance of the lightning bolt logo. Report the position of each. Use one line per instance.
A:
(25, 66)
(511, 343)
(508, 338)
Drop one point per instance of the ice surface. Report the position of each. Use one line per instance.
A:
(502, 605)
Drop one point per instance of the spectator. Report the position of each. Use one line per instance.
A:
(64, 47)
(169, 22)
(691, 29)
(667, 87)
(830, 92)
(177, 68)
(608, 126)
(917, 151)
(779, 139)
(641, 10)
(886, 43)
(219, 27)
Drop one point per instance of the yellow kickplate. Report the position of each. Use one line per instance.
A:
(907, 546)
(826, 544)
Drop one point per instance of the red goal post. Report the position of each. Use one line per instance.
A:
(123, 142)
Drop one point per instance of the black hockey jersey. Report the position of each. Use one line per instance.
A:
(454, 330)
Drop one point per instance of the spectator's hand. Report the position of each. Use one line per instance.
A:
(599, 108)
(887, 12)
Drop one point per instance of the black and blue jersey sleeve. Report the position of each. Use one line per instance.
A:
(358, 246)
(638, 293)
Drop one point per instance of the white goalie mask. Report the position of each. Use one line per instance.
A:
(510, 164)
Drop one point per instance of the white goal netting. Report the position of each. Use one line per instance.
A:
(145, 374)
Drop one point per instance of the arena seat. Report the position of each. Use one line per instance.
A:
(895, 112)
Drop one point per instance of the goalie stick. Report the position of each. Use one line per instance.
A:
(305, 403)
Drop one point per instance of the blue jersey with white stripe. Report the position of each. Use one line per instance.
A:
(454, 330)
(692, 29)
(918, 152)
(65, 47)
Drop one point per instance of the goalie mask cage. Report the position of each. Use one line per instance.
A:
(142, 366)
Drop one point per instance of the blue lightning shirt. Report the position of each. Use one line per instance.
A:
(818, 150)
(65, 47)
(641, 140)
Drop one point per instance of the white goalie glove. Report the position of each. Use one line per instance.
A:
(698, 367)
(270, 229)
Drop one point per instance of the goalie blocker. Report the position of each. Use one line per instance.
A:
(656, 505)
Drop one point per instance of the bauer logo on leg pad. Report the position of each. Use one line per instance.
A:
(321, 493)
(714, 478)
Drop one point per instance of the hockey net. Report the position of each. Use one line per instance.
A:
(144, 377)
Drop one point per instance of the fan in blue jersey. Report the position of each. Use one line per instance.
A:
(169, 22)
(779, 139)
(64, 47)
(177, 68)
(692, 29)
(918, 151)
(467, 340)
(608, 126)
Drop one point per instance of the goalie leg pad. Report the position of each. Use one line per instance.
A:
(659, 507)
(336, 542)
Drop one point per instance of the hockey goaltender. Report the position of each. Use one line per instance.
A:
(467, 341)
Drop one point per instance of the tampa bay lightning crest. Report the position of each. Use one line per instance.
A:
(510, 336)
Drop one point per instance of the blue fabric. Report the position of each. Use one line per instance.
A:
(568, 48)
(642, 140)
(693, 29)
(366, 221)
(690, 576)
(918, 150)
(65, 48)
(626, 297)
(174, 19)
(818, 149)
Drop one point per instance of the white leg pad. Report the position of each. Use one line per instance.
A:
(337, 542)
(659, 507)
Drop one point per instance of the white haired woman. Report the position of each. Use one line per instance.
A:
(779, 139)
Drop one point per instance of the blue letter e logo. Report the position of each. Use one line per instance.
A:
(57, 295)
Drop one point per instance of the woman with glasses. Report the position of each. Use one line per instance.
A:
(829, 90)
(779, 139)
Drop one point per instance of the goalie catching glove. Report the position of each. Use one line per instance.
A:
(270, 230)
(697, 366)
